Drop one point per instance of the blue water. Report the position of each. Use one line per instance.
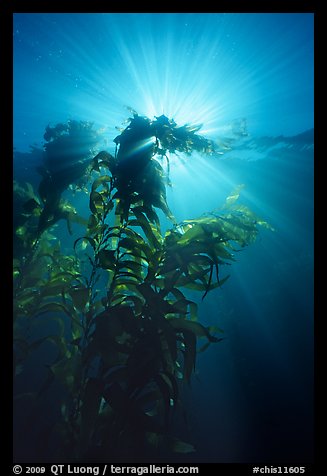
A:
(252, 396)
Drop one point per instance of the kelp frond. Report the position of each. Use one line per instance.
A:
(133, 331)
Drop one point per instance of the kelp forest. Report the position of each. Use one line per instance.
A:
(111, 323)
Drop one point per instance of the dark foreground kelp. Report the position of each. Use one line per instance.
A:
(125, 331)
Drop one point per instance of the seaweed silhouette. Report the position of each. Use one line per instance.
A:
(127, 334)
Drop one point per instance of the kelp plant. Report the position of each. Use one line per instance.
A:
(133, 333)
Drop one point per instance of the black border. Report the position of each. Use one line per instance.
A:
(6, 174)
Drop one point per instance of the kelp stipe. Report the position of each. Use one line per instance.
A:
(133, 333)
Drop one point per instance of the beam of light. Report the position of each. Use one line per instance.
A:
(173, 75)
(141, 145)
(195, 68)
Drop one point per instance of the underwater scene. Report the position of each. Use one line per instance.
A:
(163, 210)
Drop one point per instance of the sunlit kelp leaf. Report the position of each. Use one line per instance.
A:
(240, 229)
(216, 231)
(186, 282)
(30, 190)
(65, 276)
(118, 299)
(136, 247)
(70, 213)
(150, 231)
(97, 204)
(108, 207)
(133, 235)
(103, 180)
(96, 307)
(200, 261)
(252, 217)
(93, 224)
(151, 215)
(180, 306)
(112, 231)
(167, 281)
(215, 329)
(83, 242)
(21, 231)
(219, 250)
(58, 284)
(16, 265)
(99, 231)
(104, 159)
(126, 278)
(136, 301)
(100, 205)
(193, 274)
(152, 188)
(27, 299)
(193, 311)
(195, 232)
(126, 274)
(166, 307)
(234, 196)
(136, 267)
(125, 288)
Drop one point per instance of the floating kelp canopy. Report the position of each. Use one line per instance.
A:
(133, 332)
